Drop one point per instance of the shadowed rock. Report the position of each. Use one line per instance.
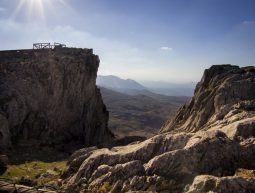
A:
(50, 95)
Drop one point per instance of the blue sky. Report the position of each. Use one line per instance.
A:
(162, 40)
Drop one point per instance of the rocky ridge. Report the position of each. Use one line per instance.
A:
(210, 139)
(224, 90)
(50, 96)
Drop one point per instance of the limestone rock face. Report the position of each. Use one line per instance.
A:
(223, 90)
(167, 162)
(50, 95)
(206, 157)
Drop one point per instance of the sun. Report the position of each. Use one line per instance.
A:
(35, 9)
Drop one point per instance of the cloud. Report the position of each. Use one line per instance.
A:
(165, 48)
(247, 22)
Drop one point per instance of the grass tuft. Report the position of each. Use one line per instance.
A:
(106, 187)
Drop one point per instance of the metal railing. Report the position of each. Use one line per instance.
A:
(47, 45)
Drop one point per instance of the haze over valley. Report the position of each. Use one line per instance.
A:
(134, 109)
(133, 87)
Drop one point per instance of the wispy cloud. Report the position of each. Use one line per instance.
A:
(248, 22)
(165, 48)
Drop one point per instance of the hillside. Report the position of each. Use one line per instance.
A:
(126, 86)
(138, 115)
(214, 154)
(132, 87)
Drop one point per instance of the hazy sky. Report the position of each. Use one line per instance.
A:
(167, 40)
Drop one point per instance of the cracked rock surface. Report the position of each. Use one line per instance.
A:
(200, 150)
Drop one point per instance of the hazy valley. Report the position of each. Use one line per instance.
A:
(139, 115)
(133, 109)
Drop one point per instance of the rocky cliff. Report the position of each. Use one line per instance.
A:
(212, 148)
(50, 96)
(224, 90)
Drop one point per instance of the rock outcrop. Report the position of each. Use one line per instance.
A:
(50, 95)
(7, 187)
(224, 90)
(201, 157)
(205, 183)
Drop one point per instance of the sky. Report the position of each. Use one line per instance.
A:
(157, 40)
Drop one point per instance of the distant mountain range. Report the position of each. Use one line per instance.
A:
(148, 88)
(115, 83)
(134, 109)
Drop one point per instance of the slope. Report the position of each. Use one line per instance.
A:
(138, 115)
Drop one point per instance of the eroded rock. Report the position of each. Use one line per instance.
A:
(212, 184)
(219, 138)
(223, 91)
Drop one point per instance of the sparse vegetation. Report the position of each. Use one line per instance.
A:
(106, 187)
(244, 172)
(38, 172)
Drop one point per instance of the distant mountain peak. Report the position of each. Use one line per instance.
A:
(118, 84)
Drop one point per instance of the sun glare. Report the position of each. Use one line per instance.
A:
(36, 8)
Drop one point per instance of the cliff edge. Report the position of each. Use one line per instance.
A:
(50, 96)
